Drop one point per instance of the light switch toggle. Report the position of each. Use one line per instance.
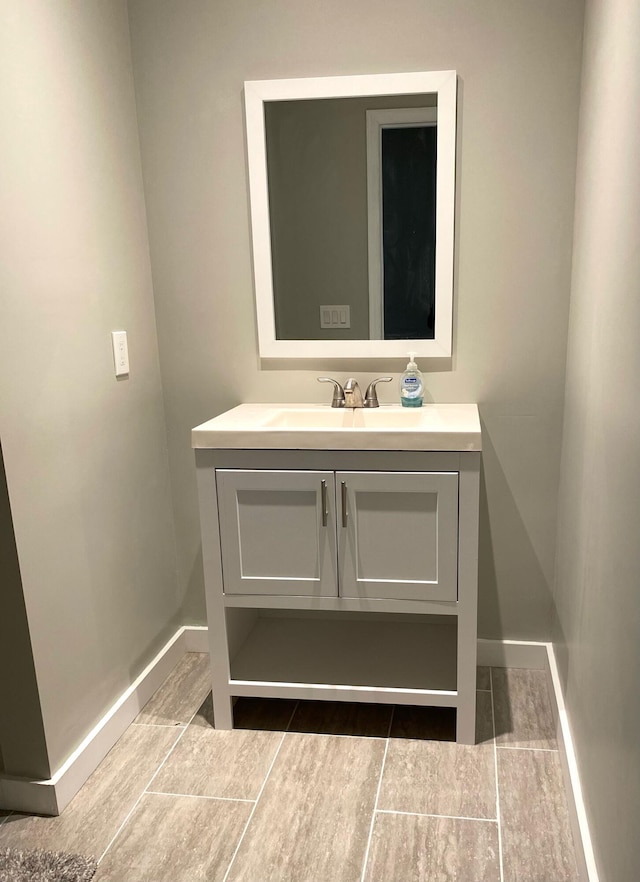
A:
(120, 352)
(335, 316)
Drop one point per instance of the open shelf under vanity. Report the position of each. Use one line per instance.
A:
(356, 657)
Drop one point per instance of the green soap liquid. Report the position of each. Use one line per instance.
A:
(411, 402)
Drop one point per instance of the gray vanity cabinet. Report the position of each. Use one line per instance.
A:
(352, 534)
(343, 575)
(278, 532)
(398, 535)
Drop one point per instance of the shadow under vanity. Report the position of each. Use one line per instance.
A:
(340, 556)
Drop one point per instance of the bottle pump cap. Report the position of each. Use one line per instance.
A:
(412, 366)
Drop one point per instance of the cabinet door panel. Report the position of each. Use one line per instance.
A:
(277, 532)
(399, 538)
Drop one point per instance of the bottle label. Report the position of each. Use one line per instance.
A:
(410, 381)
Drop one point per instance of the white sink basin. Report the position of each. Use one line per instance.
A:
(307, 426)
(388, 417)
(310, 418)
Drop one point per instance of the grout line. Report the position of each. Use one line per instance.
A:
(375, 805)
(153, 777)
(293, 713)
(198, 796)
(162, 725)
(337, 735)
(495, 762)
(516, 747)
(246, 826)
(426, 815)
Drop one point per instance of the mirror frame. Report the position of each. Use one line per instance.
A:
(256, 94)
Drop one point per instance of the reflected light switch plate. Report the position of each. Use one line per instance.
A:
(335, 316)
(120, 352)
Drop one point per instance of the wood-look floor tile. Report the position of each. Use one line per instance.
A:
(181, 694)
(217, 762)
(266, 714)
(93, 817)
(440, 777)
(408, 848)
(342, 718)
(536, 837)
(176, 839)
(483, 678)
(522, 708)
(313, 818)
(484, 718)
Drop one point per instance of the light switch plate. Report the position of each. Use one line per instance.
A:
(335, 316)
(120, 352)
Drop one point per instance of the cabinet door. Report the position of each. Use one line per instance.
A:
(277, 532)
(398, 534)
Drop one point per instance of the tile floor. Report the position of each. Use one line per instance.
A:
(322, 792)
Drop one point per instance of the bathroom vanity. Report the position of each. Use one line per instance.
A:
(340, 554)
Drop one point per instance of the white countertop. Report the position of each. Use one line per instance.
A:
(439, 427)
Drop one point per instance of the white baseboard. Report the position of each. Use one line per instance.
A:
(31, 797)
(196, 638)
(587, 867)
(512, 654)
(51, 796)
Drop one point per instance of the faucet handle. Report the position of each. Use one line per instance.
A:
(338, 391)
(371, 397)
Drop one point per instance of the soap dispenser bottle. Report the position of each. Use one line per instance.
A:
(411, 385)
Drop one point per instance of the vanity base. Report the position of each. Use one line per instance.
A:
(388, 649)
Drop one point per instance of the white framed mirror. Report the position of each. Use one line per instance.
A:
(352, 193)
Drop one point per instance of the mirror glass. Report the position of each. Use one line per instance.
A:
(352, 214)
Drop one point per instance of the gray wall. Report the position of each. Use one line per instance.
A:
(598, 578)
(23, 750)
(85, 455)
(519, 67)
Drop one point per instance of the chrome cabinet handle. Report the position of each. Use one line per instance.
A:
(344, 502)
(325, 511)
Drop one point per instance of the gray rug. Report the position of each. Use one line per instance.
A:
(44, 866)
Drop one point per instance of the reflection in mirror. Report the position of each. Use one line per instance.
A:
(352, 213)
(401, 207)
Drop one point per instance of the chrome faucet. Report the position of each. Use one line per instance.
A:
(351, 396)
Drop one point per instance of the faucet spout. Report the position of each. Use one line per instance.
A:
(352, 394)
